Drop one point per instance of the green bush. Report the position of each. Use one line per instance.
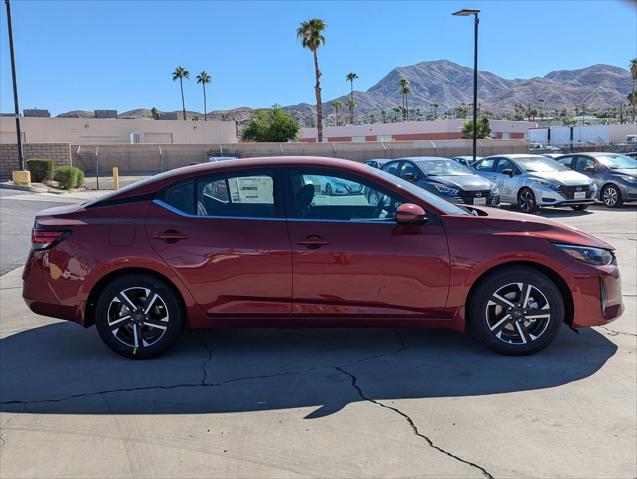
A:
(69, 176)
(80, 178)
(41, 169)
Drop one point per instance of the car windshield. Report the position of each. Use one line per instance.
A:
(534, 164)
(443, 167)
(618, 162)
(436, 201)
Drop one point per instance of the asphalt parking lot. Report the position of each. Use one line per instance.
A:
(255, 403)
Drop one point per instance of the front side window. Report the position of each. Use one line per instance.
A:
(505, 164)
(408, 168)
(327, 196)
(566, 161)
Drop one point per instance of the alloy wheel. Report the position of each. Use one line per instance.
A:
(610, 196)
(138, 317)
(518, 313)
(374, 199)
(527, 201)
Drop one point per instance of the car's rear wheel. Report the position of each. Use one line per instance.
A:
(139, 316)
(579, 207)
(611, 196)
(526, 201)
(516, 311)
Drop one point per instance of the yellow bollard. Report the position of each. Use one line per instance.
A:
(115, 178)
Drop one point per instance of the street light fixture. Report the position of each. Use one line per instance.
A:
(467, 13)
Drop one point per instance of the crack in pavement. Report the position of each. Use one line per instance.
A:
(411, 424)
(205, 363)
(613, 332)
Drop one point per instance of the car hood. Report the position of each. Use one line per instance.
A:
(463, 182)
(531, 225)
(564, 177)
(627, 172)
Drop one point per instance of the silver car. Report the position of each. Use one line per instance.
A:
(614, 174)
(533, 181)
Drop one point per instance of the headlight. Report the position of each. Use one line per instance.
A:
(595, 256)
(548, 184)
(629, 179)
(445, 190)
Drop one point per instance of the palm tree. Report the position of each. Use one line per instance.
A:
(351, 104)
(204, 78)
(337, 105)
(154, 113)
(435, 105)
(350, 77)
(404, 89)
(181, 73)
(310, 33)
(633, 73)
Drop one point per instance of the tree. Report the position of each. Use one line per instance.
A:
(310, 33)
(203, 78)
(180, 73)
(154, 113)
(633, 74)
(350, 77)
(435, 105)
(383, 116)
(337, 105)
(404, 89)
(482, 131)
(271, 124)
(351, 104)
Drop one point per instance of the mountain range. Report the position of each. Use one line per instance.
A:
(448, 84)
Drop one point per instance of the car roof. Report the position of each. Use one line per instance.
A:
(157, 182)
(378, 160)
(423, 158)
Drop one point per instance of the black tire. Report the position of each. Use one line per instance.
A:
(526, 201)
(611, 196)
(153, 331)
(328, 189)
(527, 329)
(579, 207)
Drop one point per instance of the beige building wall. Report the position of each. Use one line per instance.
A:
(92, 131)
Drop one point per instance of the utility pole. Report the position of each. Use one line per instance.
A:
(15, 89)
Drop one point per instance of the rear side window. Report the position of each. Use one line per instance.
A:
(485, 165)
(181, 197)
(242, 196)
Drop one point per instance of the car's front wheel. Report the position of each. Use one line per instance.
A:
(611, 196)
(516, 311)
(526, 201)
(139, 316)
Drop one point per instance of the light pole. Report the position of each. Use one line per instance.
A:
(467, 13)
(15, 89)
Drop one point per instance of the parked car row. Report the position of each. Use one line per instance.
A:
(529, 181)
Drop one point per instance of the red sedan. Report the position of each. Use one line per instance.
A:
(257, 243)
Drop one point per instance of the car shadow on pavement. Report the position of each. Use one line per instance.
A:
(63, 369)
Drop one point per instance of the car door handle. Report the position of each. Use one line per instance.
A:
(313, 242)
(170, 236)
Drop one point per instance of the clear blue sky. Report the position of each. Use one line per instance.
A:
(115, 54)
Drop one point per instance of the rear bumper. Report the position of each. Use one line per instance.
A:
(597, 295)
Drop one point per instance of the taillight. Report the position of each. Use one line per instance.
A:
(43, 239)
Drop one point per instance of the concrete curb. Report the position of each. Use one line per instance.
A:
(33, 189)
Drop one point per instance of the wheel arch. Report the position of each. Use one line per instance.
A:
(608, 183)
(89, 313)
(550, 273)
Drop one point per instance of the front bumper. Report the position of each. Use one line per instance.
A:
(565, 197)
(596, 292)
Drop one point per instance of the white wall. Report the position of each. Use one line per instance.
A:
(87, 131)
(593, 134)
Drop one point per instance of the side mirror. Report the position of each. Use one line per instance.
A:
(408, 176)
(508, 172)
(408, 213)
(589, 169)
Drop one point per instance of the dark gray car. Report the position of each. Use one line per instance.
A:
(614, 174)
